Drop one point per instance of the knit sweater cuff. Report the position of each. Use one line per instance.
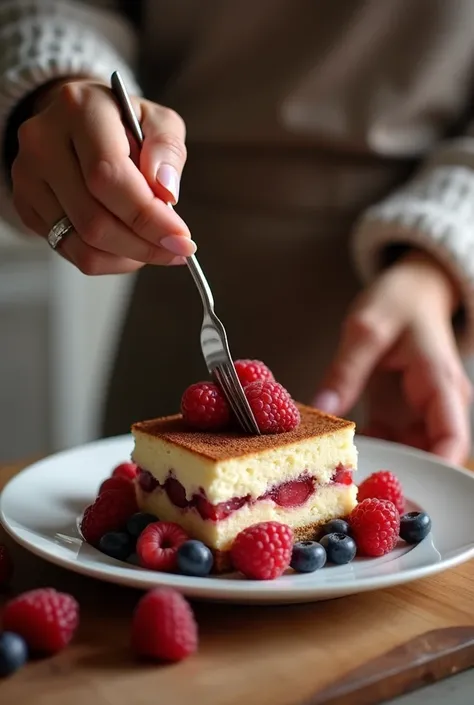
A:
(434, 212)
(43, 41)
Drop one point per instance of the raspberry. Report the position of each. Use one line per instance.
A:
(176, 492)
(146, 481)
(158, 545)
(6, 566)
(121, 484)
(127, 470)
(217, 512)
(263, 551)
(252, 371)
(204, 407)
(375, 526)
(272, 406)
(292, 493)
(342, 475)
(46, 619)
(109, 512)
(164, 627)
(383, 485)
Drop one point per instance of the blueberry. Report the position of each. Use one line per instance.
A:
(133, 559)
(337, 526)
(13, 653)
(138, 522)
(194, 558)
(308, 556)
(340, 549)
(414, 526)
(116, 544)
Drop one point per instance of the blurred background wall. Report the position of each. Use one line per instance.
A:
(58, 330)
(57, 333)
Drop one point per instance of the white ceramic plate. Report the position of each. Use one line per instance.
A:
(40, 507)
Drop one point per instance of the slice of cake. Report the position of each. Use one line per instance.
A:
(216, 484)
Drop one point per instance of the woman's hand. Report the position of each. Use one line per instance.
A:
(398, 345)
(74, 160)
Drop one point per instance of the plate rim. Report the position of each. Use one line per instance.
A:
(233, 590)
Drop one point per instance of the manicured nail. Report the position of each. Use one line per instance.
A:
(178, 245)
(169, 179)
(327, 401)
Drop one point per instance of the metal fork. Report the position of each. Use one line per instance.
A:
(214, 345)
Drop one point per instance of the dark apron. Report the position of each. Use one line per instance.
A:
(273, 234)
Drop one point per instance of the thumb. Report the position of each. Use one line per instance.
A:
(364, 341)
(164, 152)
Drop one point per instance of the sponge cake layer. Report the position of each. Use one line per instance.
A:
(230, 445)
(230, 465)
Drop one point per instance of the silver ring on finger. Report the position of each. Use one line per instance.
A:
(59, 231)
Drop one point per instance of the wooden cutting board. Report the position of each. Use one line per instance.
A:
(356, 650)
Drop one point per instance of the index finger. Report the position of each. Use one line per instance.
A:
(363, 344)
(103, 153)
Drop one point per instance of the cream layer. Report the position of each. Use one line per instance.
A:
(330, 502)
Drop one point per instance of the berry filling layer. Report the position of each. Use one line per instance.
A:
(293, 493)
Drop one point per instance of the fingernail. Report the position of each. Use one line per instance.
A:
(327, 401)
(177, 261)
(178, 245)
(169, 179)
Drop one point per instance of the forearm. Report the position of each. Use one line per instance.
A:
(434, 214)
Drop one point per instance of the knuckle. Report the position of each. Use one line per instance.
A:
(149, 255)
(454, 377)
(452, 373)
(363, 328)
(140, 221)
(92, 228)
(17, 171)
(173, 144)
(29, 135)
(70, 95)
(22, 177)
(177, 120)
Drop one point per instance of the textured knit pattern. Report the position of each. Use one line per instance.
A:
(434, 212)
(42, 40)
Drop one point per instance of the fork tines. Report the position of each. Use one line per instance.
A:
(226, 378)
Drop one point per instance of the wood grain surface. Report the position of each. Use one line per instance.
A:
(357, 650)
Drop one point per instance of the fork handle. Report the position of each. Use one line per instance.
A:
(200, 281)
(120, 92)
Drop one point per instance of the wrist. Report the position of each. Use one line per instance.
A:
(43, 96)
(430, 280)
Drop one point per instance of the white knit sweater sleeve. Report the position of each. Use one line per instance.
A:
(41, 40)
(434, 211)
